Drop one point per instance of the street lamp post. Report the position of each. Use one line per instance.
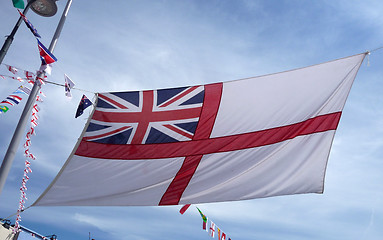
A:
(45, 8)
(10, 37)
(10, 155)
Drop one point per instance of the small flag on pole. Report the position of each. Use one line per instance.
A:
(84, 103)
(46, 56)
(18, 4)
(29, 25)
(69, 84)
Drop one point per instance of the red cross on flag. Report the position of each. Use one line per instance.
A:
(252, 138)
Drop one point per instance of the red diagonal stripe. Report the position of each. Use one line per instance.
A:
(179, 131)
(112, 101)
(106, 134)
(165, 104)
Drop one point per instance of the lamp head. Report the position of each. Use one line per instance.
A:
(45, 8)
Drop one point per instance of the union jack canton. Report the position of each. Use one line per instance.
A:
(146, 117)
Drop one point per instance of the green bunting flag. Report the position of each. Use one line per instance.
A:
(3, 109)
(18, 4)
(204, 218)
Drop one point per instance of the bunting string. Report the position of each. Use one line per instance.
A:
(29, 77)
(47, 58)
(29, 157)
(213, 229)
(14, 98)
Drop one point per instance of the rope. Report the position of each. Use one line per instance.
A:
(376, 49)
(62, 85)
(16, 213)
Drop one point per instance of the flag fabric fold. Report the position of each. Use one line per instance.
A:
(252, 138)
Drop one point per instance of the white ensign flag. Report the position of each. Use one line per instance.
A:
(253, 138)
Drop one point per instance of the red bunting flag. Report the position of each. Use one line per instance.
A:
(46, 56)
(223, 237)
(184, 208)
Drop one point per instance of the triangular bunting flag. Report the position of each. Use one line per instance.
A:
(84, 103)
(46, 56)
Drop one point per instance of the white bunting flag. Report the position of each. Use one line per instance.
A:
(69, 84)
(212, 229)
(11, 69)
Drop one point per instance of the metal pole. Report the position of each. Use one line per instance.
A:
(13, 146)
(11, 36)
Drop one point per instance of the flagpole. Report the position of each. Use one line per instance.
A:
(11, 36)
(13, 146)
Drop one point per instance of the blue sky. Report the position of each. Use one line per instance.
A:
(136, 45)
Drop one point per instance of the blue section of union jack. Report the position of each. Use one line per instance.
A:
(144, 117)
